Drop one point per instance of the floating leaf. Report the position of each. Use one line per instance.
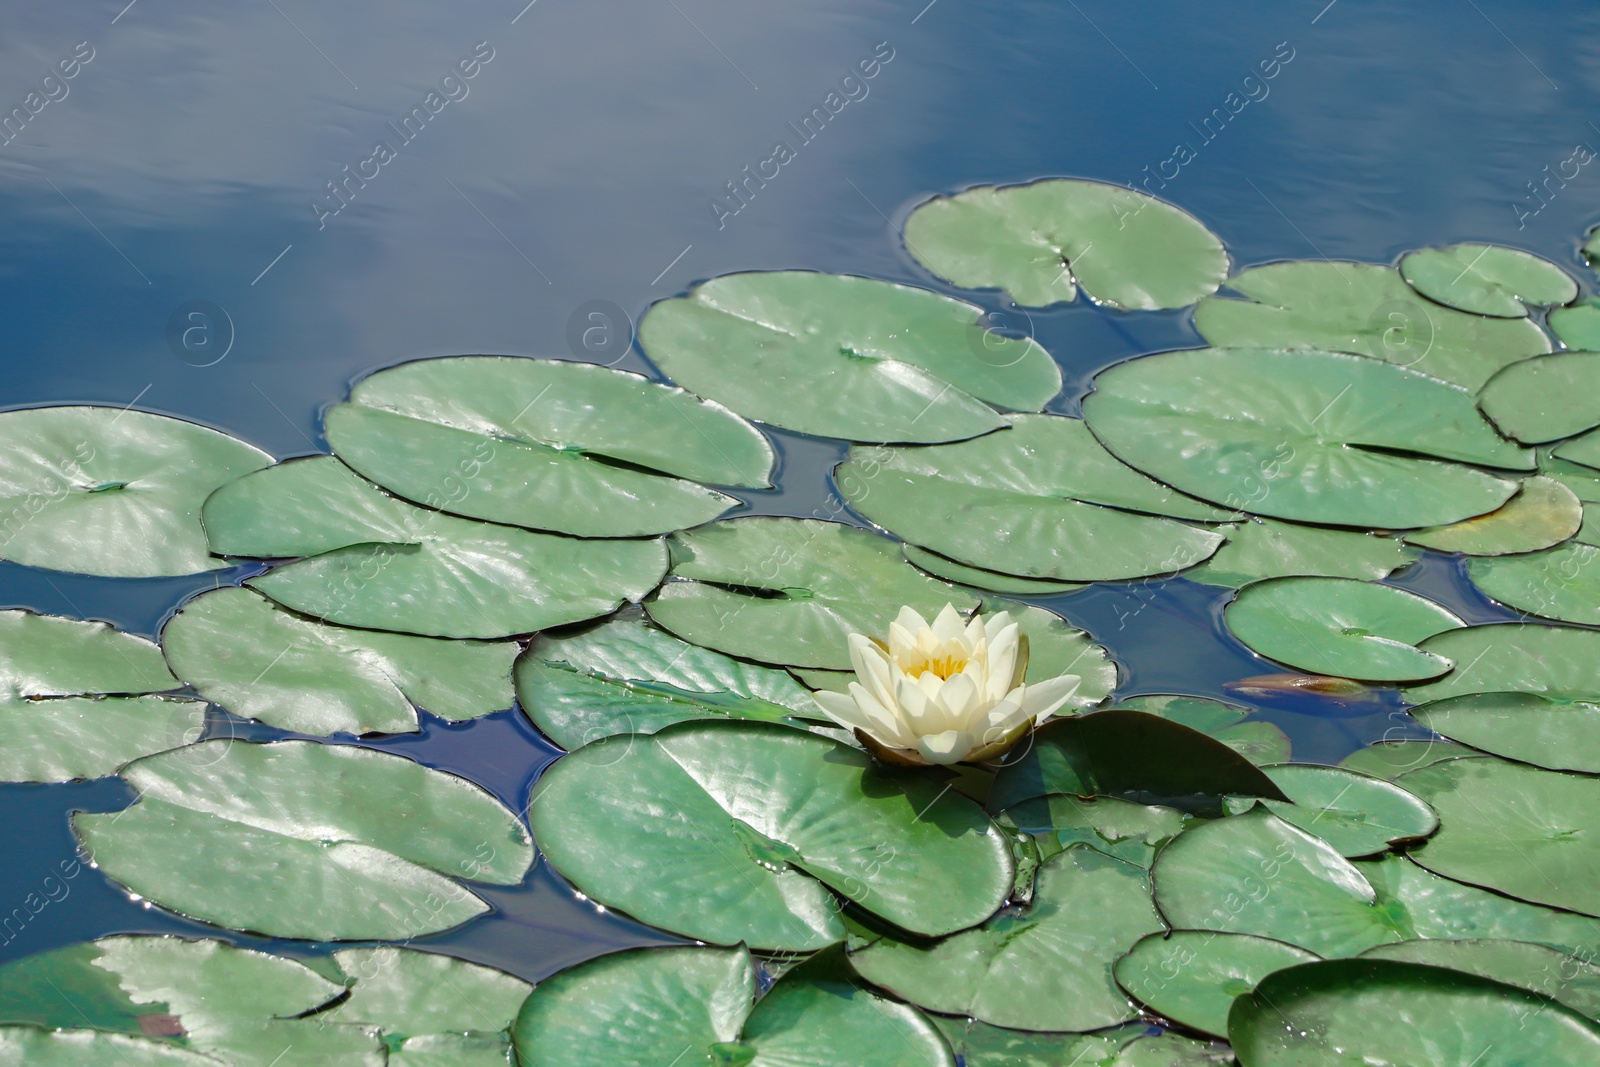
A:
(1559, 734)
(1192, 976)
(1389, 1012)
(840, 356)
(1368, 310)
(299, 839)
(1561, 662)
(790, 591)
(977, 578)
(68, 699)
(1543, 513)
(1056, 647)
(1130, 832)
(1584, 449)
(1355, 813)
(1558, 583)
(626, 677)
(1487, 279)
(380, 563)
(1041, 241)
(1341, 627)
(1574, 982)
(1390, 759)
(1258, 742)
(1043, 967)
(414, 995)
(1304, 435)
(86, 1048)
(1132, 755)
(548, 444)
(110, 491)
(640, 1008)
(1256, 874)
(1523, 831)
(1261, 548)
(982, 1045)
(735, 832)
(1027, 500)
(257, 660)
(1545, 399)
(1173, 1050)
(1577, 326)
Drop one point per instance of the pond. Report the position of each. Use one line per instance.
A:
(232, 215)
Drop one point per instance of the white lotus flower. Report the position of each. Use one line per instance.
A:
(951, 692)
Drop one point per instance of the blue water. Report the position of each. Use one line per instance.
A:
(574, 173)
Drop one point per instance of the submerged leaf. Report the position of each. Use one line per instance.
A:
(1043, 240)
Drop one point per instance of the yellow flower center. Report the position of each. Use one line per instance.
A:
(943, 667)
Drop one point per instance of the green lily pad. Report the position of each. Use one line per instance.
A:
(1545, 399)
(1258, 742)
(981, 1045)
(841, 356)
(1390, 759)
(1368, 310)
(1056, 647)
(790, 591)
(1523, 831)
(1043, 967)
(641, 1008)
(1561, 662)
(1041, 499)
(977, 578)
(237, 1005)
(1130, 832)
(626, 677)
(1193, 976)
(1341, 627)
(110, 491)
(1584, 449)
(1044, 240)
(243, 652)
(1261, 548)
(1305, 435)
(1256, 874)
(1390, 1012)
(299, 839)
(1558, 583)
(1357, 814)
(735, 832)
(87, 1048)
(568, 447)
(383, 564)
(1560, 735)
(1583, 481)
(1173, 1050)
(414, 995)
(1573, 981)
(70, 703)
(1132, 755)
(1578, 326)
(1543, 513)
(1487, 279)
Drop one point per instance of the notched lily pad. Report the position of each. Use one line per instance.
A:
(949, 570)
(790, 591)
(1558, 583)
(1044, 240)
(1259, 548)
(1305, 435)
(548, 444)
(304, 840)
(736, 832)
(380, 563)
(1341, 627)
(627, 677)
(841, 356)
(1040, 499)
(1193, 976)
(1543, 513)
(1487, 279)
(74, 699)
(1561, 662)
(1558, 734)
(260, 661)
(1573, 981)
(1368, 310)
(1130, 832)
(1545, 399)
(1358, 814)
(110, 491)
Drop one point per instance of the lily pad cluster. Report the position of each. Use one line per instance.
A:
(1146, 879)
